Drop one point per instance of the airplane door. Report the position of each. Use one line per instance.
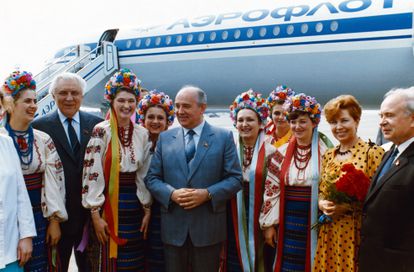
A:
(110, 57)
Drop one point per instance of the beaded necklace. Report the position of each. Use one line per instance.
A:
(126, 138)
(301, 158)
(23, 142)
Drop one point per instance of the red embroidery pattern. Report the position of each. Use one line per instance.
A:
(85, 189)
(88, 163)
(98, 132)
(93, 176)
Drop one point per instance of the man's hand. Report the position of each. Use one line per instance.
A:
(189, 198)
(24, 250)
(53, 233)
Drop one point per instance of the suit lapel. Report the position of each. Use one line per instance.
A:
(61, 136)
(204, 144)
(399, 163)
(84, 130)
(178, 141)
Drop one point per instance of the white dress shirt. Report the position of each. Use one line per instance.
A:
(75, 124)
(16, 216)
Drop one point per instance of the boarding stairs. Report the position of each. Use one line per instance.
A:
(93, 67)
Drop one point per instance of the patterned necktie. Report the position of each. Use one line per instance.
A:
(190, 146)
(74, 142)
(387, 165)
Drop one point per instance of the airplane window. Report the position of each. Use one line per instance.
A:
(148, 42)
(179, 39)
(213, 36)
(168, 40)
(262, 32)
(290, 29)
(190, 38)
(225, 35)
(249, 33)
(319, 27)
(138, 43)
(158, 41)
(201, 37)
(334, 26)
(304, 28)
(276, 30)
(129, 43)
(237, 34)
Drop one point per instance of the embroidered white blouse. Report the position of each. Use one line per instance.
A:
(135, 158)
(46, 161)
(269, 214)
(16, 216)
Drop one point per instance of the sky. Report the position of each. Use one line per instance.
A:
(32, 31)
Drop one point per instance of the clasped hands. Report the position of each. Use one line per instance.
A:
(189, 198)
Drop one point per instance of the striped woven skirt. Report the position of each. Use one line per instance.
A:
(297, 228)
(155, 249)
(41, 253)
(131, 256)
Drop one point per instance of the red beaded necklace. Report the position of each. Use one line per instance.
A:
(302, 155)
(125, 134)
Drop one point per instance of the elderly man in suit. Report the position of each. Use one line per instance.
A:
(387, 234)
(70, 130)
(193, 172)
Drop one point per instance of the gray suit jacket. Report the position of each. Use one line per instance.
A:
(215, 167)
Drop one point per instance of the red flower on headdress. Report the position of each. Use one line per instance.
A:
(246, 96)
(155, 99)
(282, 95)
(296, 103)
(127, 80)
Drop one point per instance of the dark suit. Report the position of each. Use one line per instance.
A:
(387, 234)
(215, 167)
(72, 166)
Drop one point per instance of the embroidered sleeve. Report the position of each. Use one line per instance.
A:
(93, 172)
(143, 194)
(269, 214)
(53, 195)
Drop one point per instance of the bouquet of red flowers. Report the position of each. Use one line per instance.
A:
(351, 187)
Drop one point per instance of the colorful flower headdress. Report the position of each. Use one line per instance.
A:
(124, 78)
(18, 81)
(305, 103)
(250, 100)
(154, 98)
(281, 93)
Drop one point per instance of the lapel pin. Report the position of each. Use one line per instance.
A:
(397, 162)
(205, 144)
(85, 132)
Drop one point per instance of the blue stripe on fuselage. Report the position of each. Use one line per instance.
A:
(266, 32)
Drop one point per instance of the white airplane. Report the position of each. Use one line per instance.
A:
(321, 47)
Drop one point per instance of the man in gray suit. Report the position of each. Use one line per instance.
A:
(193, 172)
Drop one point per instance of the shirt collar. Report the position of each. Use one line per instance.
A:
(402, 147)
(63, 118)
(198, 129)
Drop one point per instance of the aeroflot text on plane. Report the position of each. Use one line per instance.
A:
(284, 13)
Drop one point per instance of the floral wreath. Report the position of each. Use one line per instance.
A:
(305, 103)
(250, 100)
(18, 81)
(154, 98)
(124, 78)
(281, 93)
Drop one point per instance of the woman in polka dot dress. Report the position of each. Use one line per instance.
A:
(338, 241)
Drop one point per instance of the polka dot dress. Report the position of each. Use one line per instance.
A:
(338, 241)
